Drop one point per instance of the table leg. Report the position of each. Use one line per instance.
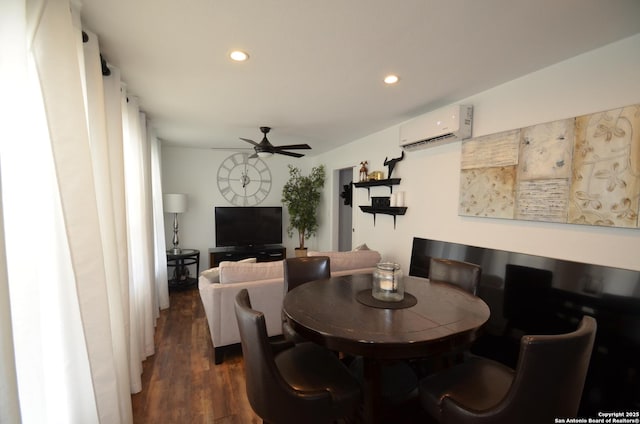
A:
(373, 408)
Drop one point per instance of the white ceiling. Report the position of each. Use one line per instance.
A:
(316, 67)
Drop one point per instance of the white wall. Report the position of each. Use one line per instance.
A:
(598, 80)
(194, 172)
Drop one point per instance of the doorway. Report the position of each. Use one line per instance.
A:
(345, 211)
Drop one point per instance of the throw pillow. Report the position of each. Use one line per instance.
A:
(212, 274)
(342, 261)
(242, 261)
(363, 246)
(232, 272)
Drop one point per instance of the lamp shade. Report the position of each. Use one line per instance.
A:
(175, 203)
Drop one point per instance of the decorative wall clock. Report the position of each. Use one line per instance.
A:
(244, 180)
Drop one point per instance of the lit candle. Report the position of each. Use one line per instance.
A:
(386, 285)
(387, 282)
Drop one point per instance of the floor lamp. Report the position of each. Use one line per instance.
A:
(175, 204)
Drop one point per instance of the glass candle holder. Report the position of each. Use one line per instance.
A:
(387, 282)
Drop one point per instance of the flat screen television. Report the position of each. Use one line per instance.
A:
(248, 226)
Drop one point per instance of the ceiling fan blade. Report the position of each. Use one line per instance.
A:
(249, 141)
(266, 147)
(294, 146)
(282, 152)
(232, 149)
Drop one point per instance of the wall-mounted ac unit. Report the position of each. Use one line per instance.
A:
(441, 126)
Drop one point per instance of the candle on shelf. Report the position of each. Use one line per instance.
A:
(400, 199)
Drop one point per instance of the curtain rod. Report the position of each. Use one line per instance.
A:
(105, 69)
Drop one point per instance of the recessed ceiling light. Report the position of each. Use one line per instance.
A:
(238, 56)
(391, 79)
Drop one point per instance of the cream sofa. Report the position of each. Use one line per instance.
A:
(265, 282)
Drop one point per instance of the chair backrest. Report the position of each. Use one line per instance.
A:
(261, 373)
(526, 305)
(550, 376)
(462, 274)
(301, 270)
(270, 396)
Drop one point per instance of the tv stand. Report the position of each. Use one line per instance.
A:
(261, 253)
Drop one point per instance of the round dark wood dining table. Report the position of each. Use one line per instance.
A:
(331, 313)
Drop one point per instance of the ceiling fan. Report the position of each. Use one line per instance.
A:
(266, 149)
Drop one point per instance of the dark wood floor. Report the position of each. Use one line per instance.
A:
(181, 384)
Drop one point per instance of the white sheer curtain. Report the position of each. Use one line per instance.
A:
(13, 66)
(137, 171)
(82, 258)
(160, 245)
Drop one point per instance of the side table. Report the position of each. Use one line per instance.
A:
(180, 262)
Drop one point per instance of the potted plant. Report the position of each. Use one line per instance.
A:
(301, 196)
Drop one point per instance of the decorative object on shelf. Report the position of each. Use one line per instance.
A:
(380, 202)
(375, 176)
(390, 205)
(301, 196)
(244, 180)
(175, 203)
(387, 282)
(347, 194)
(391, 163)
(363, 171)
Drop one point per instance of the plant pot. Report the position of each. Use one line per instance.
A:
(301, 252)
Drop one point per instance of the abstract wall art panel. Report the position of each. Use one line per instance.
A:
(545, 150)
(542, 200)
(605, 189)
(488, 192)
(493, 150)
(583, 170)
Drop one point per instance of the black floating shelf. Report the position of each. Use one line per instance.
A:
(394, 211)
(372, 183)
(389, 182)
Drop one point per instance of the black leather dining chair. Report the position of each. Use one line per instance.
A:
(290, 383)
(298, 271)
(526, 306)
(301, 270)
(546, 384)
(462, 274)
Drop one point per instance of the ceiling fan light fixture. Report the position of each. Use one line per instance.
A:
(264, 155)
(391, 79)
(238, 56)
